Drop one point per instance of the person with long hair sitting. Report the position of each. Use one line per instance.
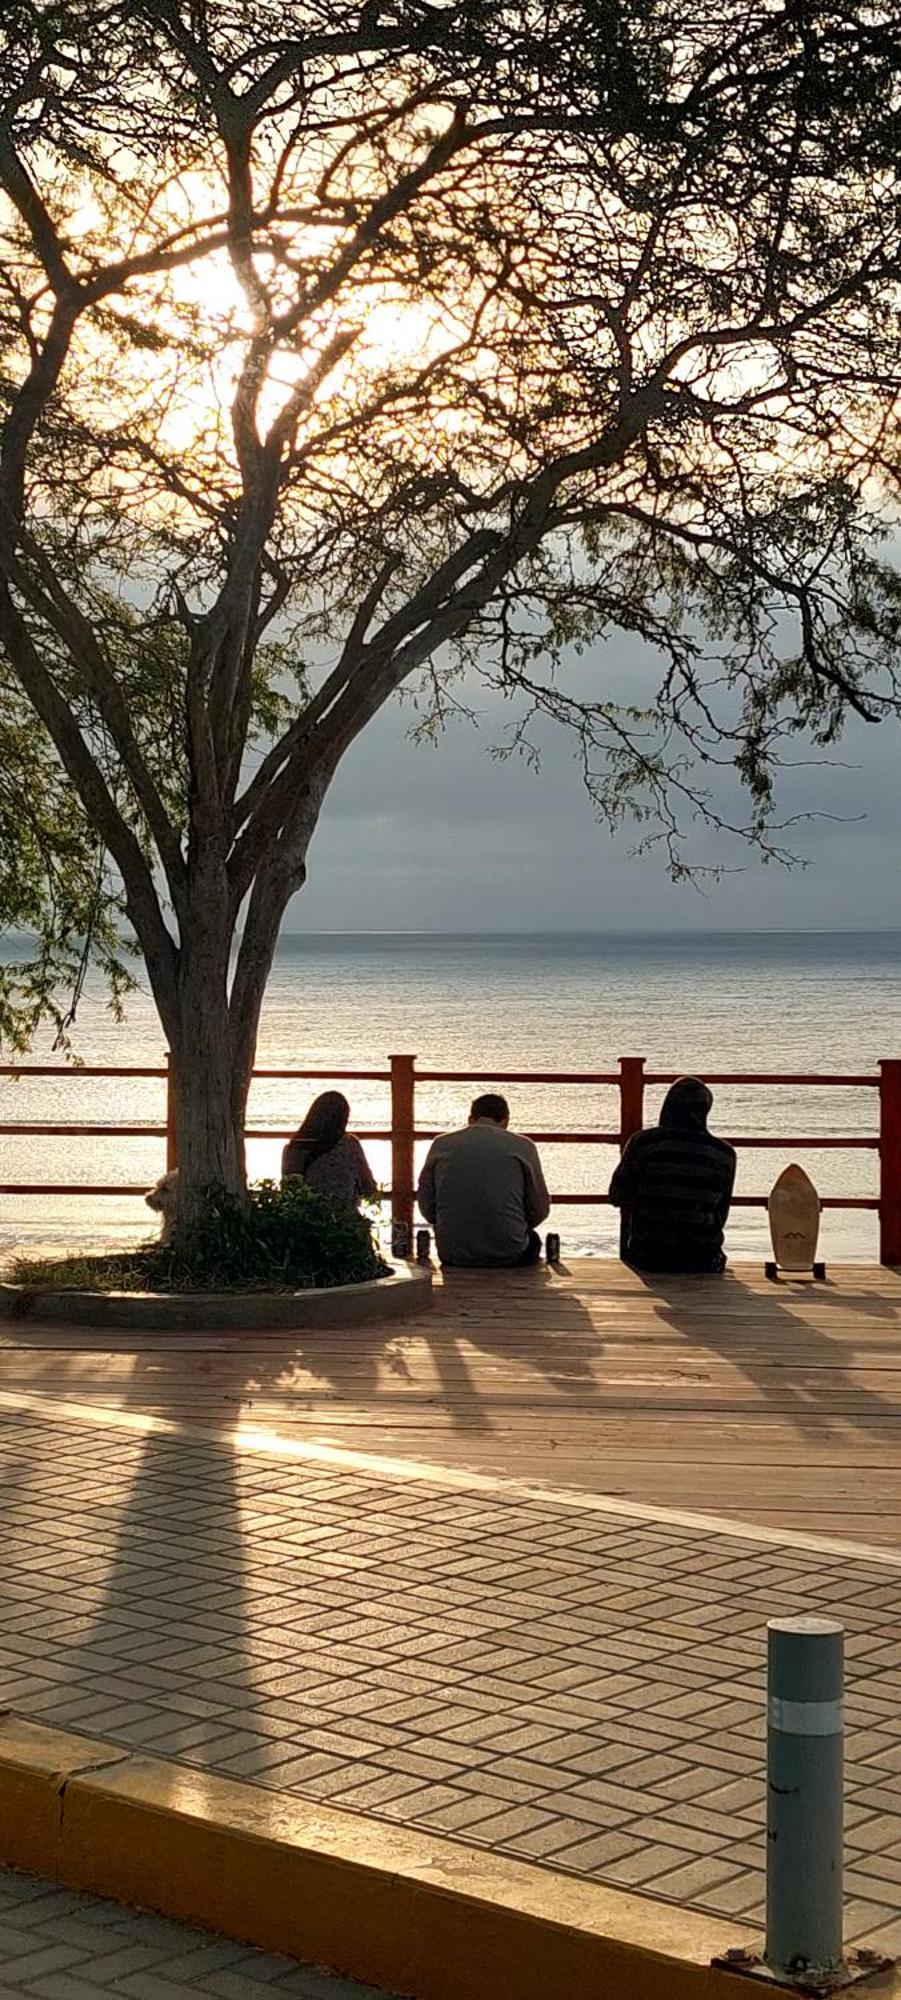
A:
(328, 1157)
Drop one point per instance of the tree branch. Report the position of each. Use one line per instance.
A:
(64, 616)
(141, 898)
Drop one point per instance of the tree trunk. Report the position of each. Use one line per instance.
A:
(209, 1114)
(209, 1135)
(214, 1050)
(273, 887)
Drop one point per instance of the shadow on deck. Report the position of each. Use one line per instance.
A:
(774, 1404)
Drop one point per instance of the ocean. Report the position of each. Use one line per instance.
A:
(689, 1001)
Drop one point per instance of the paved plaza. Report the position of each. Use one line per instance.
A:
(58, 1945)
(238, 1580)
(550, 1679)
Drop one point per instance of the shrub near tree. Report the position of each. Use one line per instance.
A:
(411, 338)
(275, 1239)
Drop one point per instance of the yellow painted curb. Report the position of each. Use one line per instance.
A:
(391, 1905)
(36, 1765)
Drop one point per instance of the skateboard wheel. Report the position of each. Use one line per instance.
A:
(771, 1270)
(819, 1271)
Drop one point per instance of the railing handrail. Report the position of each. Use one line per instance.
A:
(78, 1070)
(75, 1072)
(837, 1142)
(631, 1079)
(579, 1200)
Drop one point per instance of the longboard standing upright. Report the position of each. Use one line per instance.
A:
(794, 1212)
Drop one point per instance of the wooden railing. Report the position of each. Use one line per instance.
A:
(630, 1079)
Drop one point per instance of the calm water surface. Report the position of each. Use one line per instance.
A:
(768, 1001)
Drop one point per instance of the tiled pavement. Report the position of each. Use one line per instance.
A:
(575, 1688)
(55, 1945)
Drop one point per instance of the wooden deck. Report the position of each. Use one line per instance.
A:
(777, 1405)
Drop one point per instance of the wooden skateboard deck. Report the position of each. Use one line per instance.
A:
(794, 1212)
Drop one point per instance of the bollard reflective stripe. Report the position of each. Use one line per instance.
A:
(806, 1718)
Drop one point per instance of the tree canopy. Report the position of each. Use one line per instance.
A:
(344, 346)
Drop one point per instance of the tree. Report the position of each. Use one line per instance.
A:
(410, 336)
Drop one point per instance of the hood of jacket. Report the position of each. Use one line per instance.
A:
(687, 1105)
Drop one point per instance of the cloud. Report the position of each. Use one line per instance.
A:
(442, 837)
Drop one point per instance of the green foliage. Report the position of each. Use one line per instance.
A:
(61, 904)
(60, 908)
(283, 1239)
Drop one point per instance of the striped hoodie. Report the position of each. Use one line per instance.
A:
(674, 1185)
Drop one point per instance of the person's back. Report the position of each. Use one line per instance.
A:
(327, 1156)
(483, 1190)
(343, 1174)
(674, 1185)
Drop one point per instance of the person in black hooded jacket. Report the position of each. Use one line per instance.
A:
(674, 1185)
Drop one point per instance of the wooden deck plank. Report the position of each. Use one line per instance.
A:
(779, 1405)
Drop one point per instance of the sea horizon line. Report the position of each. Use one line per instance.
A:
(622, 931)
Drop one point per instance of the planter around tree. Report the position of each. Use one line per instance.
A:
(407, 1291)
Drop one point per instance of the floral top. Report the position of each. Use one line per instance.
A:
(343, 1174)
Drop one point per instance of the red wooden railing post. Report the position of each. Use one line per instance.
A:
(631, 1097)
(171, 1134)
(631, 1114)
(890, 1162)
(403, 1126)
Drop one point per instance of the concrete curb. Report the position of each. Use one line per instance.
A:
(406, 1292)
(417, 1914)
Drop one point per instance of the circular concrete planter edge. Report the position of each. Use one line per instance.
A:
(408, 1290)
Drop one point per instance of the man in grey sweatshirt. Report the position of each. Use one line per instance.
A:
(483, 1191)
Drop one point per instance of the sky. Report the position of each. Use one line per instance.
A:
(443, 838)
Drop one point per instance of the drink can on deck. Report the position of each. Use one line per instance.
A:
(423, 1245)
(552, 1247)
(400, 1239)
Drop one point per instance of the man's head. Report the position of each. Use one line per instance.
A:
(491, 1107)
